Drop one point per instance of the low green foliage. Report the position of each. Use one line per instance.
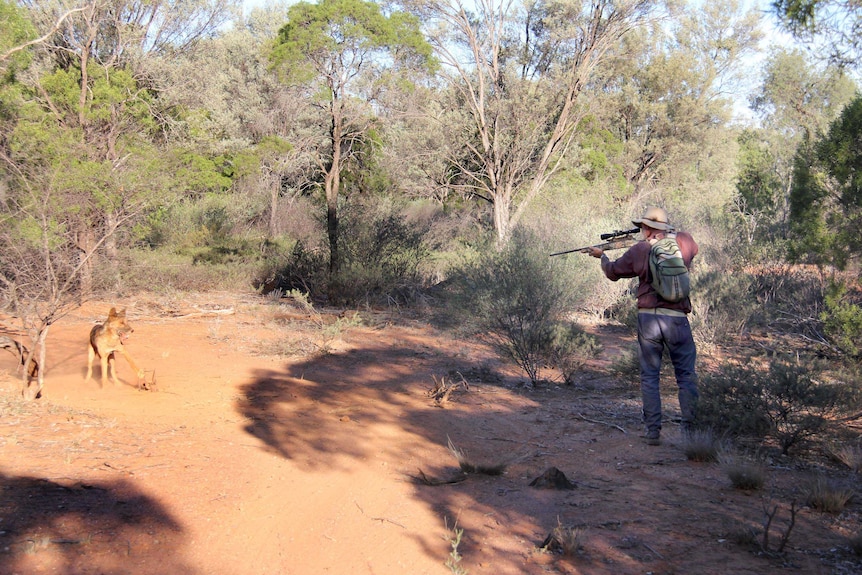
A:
(788, 402)
(570, 348)
(842, 319)
(626, 366)
(453, 562)
(517, 298)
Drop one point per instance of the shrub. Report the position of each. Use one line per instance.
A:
(842, 320)
(723, 305)
(626, 366)
(744, 472)
(516, 297)
(382, 253)
(787, 402)
(790, 299)
(731, 402)
(570, 348)
(302, 270)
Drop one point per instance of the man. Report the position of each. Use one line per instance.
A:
(660, 323)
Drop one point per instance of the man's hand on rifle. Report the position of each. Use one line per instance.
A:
(595, 251)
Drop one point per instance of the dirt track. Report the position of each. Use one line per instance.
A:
(254, 456)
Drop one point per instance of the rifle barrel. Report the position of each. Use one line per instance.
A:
(614, 244)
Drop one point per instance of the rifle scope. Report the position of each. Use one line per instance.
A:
(619, 233)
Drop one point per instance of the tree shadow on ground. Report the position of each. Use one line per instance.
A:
(308, 409)
(330, 413)
(74, 527)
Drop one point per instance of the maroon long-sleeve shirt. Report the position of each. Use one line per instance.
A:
(635, 263)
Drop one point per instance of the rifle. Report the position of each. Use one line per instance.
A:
(613, 241)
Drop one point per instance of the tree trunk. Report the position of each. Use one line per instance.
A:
(332, 183)
(274, 192)
(87, 259)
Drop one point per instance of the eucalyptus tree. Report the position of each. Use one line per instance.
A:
(667, 98)
(328, 48)
(795, 102)
(832, 27)
(518, 71)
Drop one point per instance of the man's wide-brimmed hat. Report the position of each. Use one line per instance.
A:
(655, 218)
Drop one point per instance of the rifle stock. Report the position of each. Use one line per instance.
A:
(614, 244)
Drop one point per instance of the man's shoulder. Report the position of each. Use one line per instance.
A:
(641, 246)
(686, 243)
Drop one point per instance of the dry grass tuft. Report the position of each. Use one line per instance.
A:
(568, 540)
(850, 455)
(468, 466)
(744, 472)
(827, 496)
(443, 390)
(700, 445)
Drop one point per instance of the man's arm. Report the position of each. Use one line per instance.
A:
(627, 265)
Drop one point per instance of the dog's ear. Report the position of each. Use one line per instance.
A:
(112, 313)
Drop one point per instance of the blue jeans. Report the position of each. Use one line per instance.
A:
(655, 332)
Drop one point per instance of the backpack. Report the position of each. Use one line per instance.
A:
(670, 277)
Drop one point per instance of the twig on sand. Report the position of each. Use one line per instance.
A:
(423, 479)
(601, 422)
(381, 519)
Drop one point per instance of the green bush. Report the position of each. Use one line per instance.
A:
(723, 305)
(382, 253)
(788, 402)
(842, 320)
(516, 297)
(570, 348)
(302, 270)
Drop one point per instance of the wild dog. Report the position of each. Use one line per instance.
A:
(107, 339)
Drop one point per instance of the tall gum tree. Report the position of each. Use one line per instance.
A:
(832, 27)
(519, 70)
(795, 103)
(330, 47)
(669, 90)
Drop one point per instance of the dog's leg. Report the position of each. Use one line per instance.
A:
(112, 364)
(139, 372)
(91, 356)
(106, 362)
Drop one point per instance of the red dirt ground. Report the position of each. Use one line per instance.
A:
(254, 453)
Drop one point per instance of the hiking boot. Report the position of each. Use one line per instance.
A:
(652, 438)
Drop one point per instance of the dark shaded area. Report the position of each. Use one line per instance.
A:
(323, 414)
(298, 416)
(84, 524)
